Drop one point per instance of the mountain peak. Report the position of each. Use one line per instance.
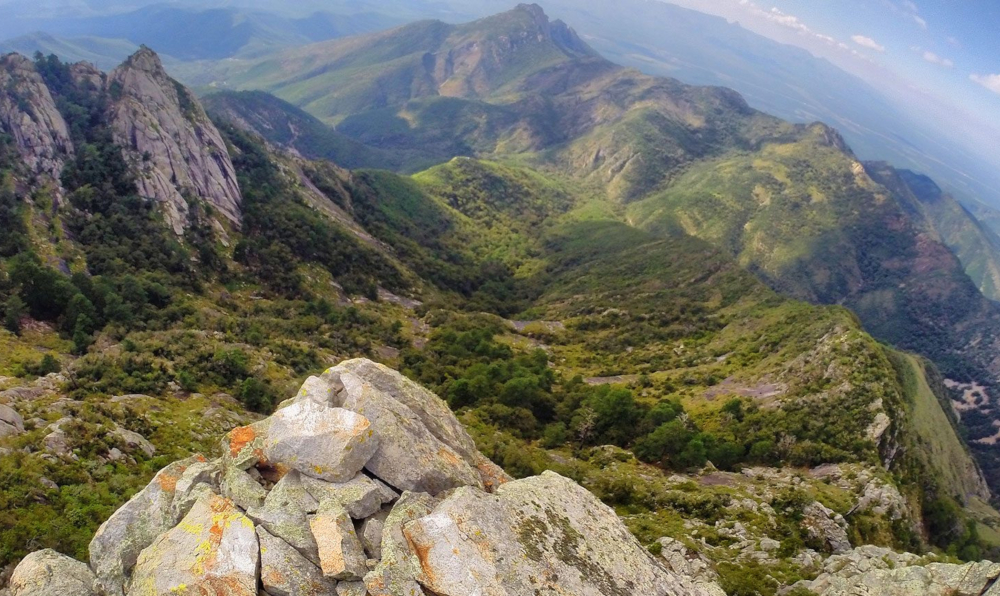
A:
(146, 60)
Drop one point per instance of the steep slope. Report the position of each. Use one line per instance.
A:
(282, 124)
(29, 115)
(976, 245)
(170, 140)
(103, 53)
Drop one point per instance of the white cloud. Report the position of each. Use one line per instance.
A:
(919, 21)
(990, 81)
(954, 42)
(935, 59)
(907, 10)
(867, 42)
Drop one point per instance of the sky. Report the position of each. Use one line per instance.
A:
(939, 58)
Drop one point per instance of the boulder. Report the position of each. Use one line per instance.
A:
(200, 479)
(411, 454)
(214, 550)
(340, 553)
(543, 536)
(48, 573)
(117, 544)
(134, 441)
(398, 567)
(11, 423)
(285, 572)
(331, 444)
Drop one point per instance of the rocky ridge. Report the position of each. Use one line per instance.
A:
(169, 139)
(364, 483)
(29, 115)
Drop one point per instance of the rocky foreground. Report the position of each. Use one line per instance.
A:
(366, 484)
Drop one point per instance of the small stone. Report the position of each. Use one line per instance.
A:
(48, 573)
(371, 533)
(292, 490)
(340, 552)
(48, 483)
(361, 496)
(351, 589)
(134, 440)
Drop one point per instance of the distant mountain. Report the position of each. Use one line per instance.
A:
(101, 52)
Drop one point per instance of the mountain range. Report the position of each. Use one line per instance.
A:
(727, 326)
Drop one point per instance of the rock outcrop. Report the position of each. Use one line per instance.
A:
(199, 527)
(29, 115)
(875, 571)
(170, 141)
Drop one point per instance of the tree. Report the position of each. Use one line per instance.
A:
(14, 310)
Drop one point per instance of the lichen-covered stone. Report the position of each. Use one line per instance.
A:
(119, 541)
(170, 140)
(48, 573)
(361, 496)
(827, 526)
(874, 571)
(544, 536)
(687, 563)
(289, 523)
(213, 550)
(331, 444)
(340, 553)
(351, 589)
(242, 488)
(285, 572)
(292, 490)
(201, 479)
(396, 572)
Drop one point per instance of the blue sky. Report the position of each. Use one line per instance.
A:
(940, 59)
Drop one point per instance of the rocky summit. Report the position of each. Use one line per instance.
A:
(364, 483)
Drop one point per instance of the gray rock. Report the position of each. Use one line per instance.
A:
(340, 553)
(331, 444)
(11, 419)
(214, 550)
(687, 563)
(827, 526)
(117, 544)
(288, 523)
(29, 114)
(292, 490)
(48, 573)
(397, 570)
(361, 496)
(200, 479)
(874, 571)
(410, 454)
(371, 531)
(170, 141)
(134, 440)
(544, 536)
(285, 572)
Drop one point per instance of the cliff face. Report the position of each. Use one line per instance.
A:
(29, 115)
(168, 138)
